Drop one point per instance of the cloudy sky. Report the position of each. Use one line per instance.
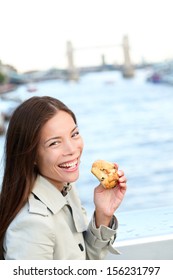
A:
(34, 32)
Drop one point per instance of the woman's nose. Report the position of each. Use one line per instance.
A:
(69, 147)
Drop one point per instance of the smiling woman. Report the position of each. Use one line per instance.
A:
(40, 211)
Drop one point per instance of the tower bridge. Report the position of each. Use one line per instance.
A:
(72, 71)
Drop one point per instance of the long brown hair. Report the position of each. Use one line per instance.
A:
(21, 145)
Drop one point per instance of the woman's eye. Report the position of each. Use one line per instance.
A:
(75, 134)
(54, 143)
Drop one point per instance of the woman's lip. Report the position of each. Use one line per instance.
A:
(71, 169)
(69, 164)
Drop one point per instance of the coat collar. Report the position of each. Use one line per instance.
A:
(49, 194)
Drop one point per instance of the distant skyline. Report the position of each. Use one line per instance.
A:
(34, 32)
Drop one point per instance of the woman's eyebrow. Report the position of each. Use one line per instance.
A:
(52, 138)
(74, 128)
(58, 137)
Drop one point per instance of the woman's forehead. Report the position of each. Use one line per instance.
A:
(59, 123)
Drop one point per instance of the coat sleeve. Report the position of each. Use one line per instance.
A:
(99, 241)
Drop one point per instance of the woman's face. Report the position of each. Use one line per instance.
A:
(59, 150)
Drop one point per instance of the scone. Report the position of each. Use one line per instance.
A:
(106, 173)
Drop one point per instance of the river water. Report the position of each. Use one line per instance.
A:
(125, 121)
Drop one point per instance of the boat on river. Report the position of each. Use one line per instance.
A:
(162, 73)
(31, 87)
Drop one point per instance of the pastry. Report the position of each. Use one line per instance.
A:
(106, 173)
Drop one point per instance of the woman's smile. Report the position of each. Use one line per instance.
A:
(69, 166)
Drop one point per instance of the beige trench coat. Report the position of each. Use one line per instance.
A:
(54, 227)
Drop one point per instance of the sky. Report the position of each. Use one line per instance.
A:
(34, 33)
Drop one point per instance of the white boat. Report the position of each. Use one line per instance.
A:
(31, 87)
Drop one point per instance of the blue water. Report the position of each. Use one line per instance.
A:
(125, 121)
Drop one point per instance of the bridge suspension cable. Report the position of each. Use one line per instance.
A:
(96, 47)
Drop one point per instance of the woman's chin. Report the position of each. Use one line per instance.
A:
(72, 176)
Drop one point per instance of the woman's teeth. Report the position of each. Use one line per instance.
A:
(68, 165)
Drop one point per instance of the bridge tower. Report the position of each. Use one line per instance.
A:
(128, 70)
(72, 73)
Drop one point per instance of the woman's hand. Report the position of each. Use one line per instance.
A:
(108, 200)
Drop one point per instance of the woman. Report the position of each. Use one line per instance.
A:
(41, 216)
